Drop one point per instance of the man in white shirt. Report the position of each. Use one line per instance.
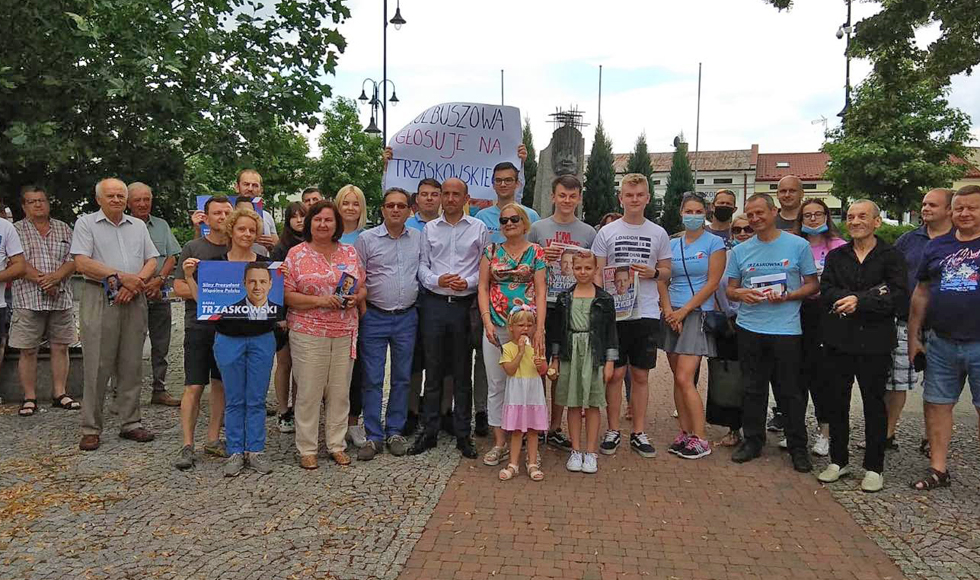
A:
(644, 246)
(13, 266)
(449, 272)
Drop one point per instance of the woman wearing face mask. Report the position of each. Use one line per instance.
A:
(697, 265)
(292, 235)
(815, 225)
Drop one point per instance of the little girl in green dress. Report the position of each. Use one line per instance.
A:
(587, 347)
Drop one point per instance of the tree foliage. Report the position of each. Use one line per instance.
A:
(679, 181)
(600, 179)
(896, 142)
(140, 88)
(888, 37)
(348, 154)
(639, 162)
(530, 165)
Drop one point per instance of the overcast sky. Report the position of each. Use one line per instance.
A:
(767, 75)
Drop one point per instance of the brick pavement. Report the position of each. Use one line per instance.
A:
(645, 518)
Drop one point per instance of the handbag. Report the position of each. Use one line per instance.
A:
(713, 322)
(725, 383)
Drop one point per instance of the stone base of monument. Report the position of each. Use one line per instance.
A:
(11, 391)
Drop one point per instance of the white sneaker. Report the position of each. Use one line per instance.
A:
(590, 463)
(574, 461)
(833, 473)
(821, 445)
(783, 444)
(872, 482)
(357, 436)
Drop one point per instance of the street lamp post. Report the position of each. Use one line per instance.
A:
(845, 31)
(397, 20)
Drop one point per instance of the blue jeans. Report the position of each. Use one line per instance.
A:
(378, 331)
(245, 363)
(949, 364)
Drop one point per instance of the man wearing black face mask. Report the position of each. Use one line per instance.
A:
(723, 208)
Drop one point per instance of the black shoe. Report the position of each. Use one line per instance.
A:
(466, 448)
(801, 460)
(482, 428)
(422, 444)
(558, 440)
(746, 452)
(891, 444)
(447, 424)
(776, 422)
(411, 425)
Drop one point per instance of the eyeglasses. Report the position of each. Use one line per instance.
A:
(35, 201)
(514, 219)
(505, 180)
(812, 215)
(393, 205)
(740, 230)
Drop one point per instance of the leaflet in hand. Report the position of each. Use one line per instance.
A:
(346, 287)
(111, 285)
(560, 277)
(239, 291)
(772, 285)
(203, 199)
(622, 282)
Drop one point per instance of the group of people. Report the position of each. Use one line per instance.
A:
(776, 289)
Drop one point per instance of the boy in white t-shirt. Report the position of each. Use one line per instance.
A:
(643, 245)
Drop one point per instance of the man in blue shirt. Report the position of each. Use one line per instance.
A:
(426, 199)
(771, 274)
(947, 297)
(505, 183)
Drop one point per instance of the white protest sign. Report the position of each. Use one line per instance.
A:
(462, 140)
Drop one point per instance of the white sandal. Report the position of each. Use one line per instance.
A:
(509, 472)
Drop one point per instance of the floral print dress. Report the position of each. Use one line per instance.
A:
(512, 280)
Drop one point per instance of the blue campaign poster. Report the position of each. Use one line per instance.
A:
(203, 199)
(239, 291)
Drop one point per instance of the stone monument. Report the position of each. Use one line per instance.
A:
(564, 155)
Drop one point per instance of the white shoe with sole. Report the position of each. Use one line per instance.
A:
(833, 473)
(872, 482)
(821, 445)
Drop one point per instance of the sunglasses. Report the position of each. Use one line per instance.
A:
(395, 206)
(514, 219)
(739, 230)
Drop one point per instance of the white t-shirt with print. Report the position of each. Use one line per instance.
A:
(621, 243)
(9, 246)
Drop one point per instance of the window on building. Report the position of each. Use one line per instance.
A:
(782, 164)
(700, 182)
(773, 186)
(656, 182)
(722, 180)
(809, 186)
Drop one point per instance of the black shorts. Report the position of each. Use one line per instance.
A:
(199, 364)
(638, 341)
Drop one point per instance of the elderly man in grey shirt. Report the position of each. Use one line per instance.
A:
(390, 256)
(107, 244)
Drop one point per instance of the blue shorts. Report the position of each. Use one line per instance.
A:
(949, 364)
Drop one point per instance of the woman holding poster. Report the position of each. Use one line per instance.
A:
(511, 274)
(322, 330)
(243, 350)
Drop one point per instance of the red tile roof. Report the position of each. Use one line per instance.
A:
(730, 160)
(972, 162)
(806, 166)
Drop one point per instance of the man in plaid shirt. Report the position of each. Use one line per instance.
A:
(42, 305)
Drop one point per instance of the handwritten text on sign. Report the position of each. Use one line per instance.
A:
(462, 140)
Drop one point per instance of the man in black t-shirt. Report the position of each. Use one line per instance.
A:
(199, 364)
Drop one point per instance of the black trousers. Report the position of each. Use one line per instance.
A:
(815, 375)
(448, 351)
(871, 371)
(765, 356)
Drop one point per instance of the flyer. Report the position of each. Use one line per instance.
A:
(239, 291)
(560, 277)
(203, 199)
(622, 283)
(346, 287)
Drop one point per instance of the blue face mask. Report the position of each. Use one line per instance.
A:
(693, 222)
(814, 231)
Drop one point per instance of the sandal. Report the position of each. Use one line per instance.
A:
(66, 402)
(509, 472)
(731, 439)
(932, 480)
(496, 455)
(534, 471)
(26, 411)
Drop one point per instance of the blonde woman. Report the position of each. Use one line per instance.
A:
(353, 210)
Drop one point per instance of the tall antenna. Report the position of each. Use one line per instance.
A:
(697, 131)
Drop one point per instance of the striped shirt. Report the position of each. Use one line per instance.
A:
(47, 253)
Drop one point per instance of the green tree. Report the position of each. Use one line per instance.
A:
(137, 88)
(896, 142)
(530, 165)
(600, 179)
(348, 154)
(639, 162)
(680, 181)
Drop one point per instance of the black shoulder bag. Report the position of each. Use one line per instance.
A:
(713, 322)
